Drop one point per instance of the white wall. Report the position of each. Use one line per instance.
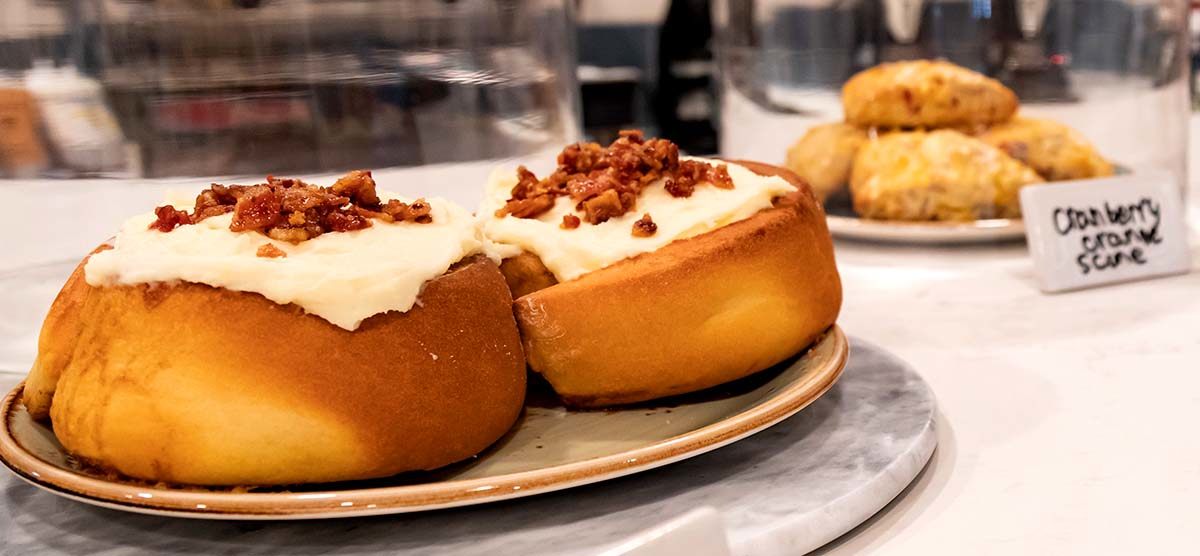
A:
(21, 19)
(622, 12)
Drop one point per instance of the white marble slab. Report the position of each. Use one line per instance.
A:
(786, 490)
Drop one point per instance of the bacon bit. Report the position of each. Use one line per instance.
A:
(344, 222)
(569, 222)
(602, 207)
(644, 227)
(527, 208)
(358, 184)
(269, 251)
(691, 173)
(718, 176)
(290, 235)
(679, 187)
(288, 209)
(418, 211)
(259, 207)
(215, 201)
(169, 218)
(605, 182)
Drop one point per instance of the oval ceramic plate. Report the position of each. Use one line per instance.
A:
(550, 448)
(844, 223)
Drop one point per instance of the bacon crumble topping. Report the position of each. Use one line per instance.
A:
(569, 222)
(269, 251)
(168, 218)
(605, 182)
(644, 226)
(288, 209)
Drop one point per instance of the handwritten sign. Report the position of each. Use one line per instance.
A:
(1092, 232)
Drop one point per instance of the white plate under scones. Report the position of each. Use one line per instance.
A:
(844, 224)
(551, 448)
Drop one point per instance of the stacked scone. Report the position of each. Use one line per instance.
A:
(929, 140)
(284, 333)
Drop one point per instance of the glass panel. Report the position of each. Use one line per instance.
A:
(1111, 70)
(175, 88)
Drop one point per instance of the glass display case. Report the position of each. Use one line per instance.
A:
(1029, 92)
(178, 88)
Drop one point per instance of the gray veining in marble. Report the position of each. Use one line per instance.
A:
(786, 490)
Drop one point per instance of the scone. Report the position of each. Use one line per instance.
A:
(282, 333)
(927, 94)
(1052, 149)
(824, 155)
(939, 175)
(641, 274)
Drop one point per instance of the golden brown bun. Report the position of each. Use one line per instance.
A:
(824, 155)
(63, 321)
(198, 385)
(1053, 150)
(940, 175)
(526, 274)
(925, 93)
(696, 313)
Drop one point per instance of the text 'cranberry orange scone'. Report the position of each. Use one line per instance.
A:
(641, 274)
(282, 333)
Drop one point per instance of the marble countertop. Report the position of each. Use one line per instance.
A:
(1067, 421)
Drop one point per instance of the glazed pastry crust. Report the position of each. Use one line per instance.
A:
(1052, 149)
(824, 155)
(696, 313)
(190, 384)
(925, 93)
(940, 175)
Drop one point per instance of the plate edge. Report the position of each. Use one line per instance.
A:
(658, 454)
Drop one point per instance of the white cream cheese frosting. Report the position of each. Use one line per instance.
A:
(342, 277)
(569, 254)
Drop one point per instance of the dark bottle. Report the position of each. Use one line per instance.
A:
(1034, 52)
(684, 100)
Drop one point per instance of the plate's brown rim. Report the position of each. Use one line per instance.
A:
(427, 496)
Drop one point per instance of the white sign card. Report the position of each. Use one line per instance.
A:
(1093, 232)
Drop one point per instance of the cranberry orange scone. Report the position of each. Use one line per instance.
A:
(824, 155)
(641, 274)
(939, 175)
(925, 94)
(1053, 150)
(282, 333)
